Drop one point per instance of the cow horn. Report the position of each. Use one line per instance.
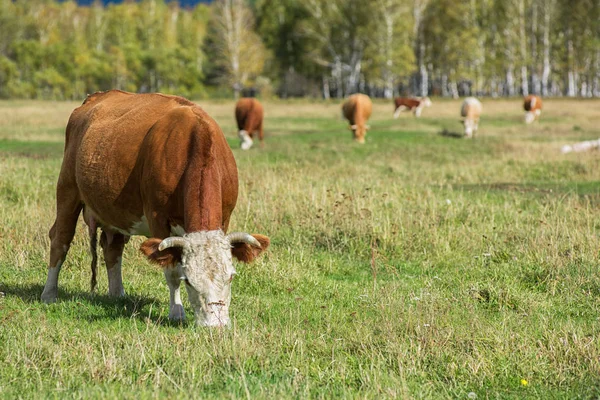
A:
(173, 241)
(243, 237)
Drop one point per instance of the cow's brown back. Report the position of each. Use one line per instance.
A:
(532, 103)
(162, 157)
(357, 109)
(406, 102)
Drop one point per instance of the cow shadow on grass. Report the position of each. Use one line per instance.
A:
(94, 306)
(451, 134)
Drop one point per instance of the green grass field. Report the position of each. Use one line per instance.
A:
(414, 266)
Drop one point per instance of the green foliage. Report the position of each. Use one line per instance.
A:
(451, 37)
(389, 55)
(335, 47)
(239, 54)
(63, 51)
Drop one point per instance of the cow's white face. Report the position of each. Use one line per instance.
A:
(529, 117)
(245, 140)
(207, 270)
(470, 127)
(203, 260)
(359, 132)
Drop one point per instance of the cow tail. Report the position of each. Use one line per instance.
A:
(93, 246)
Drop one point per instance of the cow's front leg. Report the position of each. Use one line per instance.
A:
(173, 277)
(113, 244)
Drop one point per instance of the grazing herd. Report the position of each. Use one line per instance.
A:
(159, 166)
(357, 110)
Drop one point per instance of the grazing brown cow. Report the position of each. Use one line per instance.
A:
(159, 166)
(249, 117)
(410, 104)
(470, 113)
(533, 108)
(357, 110)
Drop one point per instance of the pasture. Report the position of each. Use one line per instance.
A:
(414, 266)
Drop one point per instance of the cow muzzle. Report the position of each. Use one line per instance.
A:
(529, 117)
(246, 140)
(215, 316)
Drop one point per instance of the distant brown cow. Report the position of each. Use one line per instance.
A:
(533, 108)
(158, 166)
(410, 104)
(249, 117)
(357, 110)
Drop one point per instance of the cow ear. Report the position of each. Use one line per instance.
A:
(167, 258)
(247, 253)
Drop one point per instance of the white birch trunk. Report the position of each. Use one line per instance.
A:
(424, 76)
(388, 91)
(419, 45)
(535, 80)
(510, 81)
(326, 94)
(596, 80)
(523, 38)
(571, 80)
(337, 75)
(546, 42)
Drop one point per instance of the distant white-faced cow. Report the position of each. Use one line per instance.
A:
(533, 108)
(357, 110)
(159, 166)
(470, 113)
(410, 104)
(249, 117)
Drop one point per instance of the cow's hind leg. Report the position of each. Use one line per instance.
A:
(113, 244)
(61, 234)
(93, 233)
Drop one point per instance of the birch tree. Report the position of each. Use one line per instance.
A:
(390, 52)
(419, 7)
(339, 32)
(239, 51)
(452, 42)
(523, 48)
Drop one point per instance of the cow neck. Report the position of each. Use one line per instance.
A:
(202, 196)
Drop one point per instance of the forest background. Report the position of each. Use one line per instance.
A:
(294, 48)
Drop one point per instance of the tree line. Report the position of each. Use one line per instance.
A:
(326, 48)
